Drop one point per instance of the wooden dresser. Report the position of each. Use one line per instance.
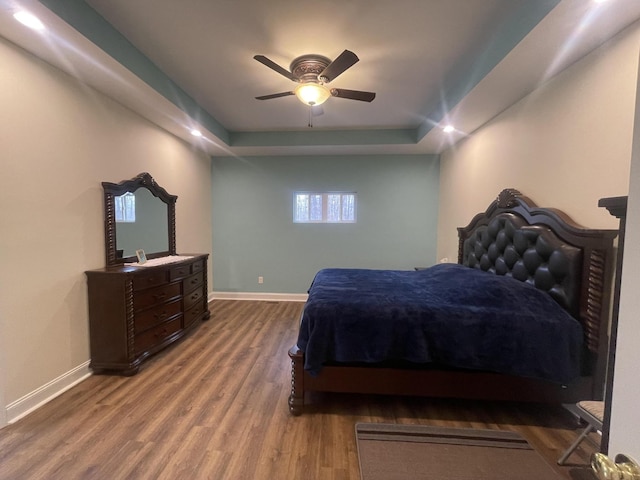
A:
(135, 311)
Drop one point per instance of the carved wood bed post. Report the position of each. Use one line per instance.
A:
(296, 398)
(596, 313)
(617, 206)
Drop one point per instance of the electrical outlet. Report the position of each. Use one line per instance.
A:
(261, 279)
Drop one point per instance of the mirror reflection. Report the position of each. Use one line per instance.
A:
(138, 215)
(141, 223)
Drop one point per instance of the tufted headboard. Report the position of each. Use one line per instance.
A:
(509, 246)
(545, 248)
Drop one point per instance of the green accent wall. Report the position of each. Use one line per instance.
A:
(254, 234)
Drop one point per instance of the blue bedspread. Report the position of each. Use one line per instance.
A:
(447, 315)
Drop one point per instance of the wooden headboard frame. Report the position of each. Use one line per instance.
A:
(544, 247)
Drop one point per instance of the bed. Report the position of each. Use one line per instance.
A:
(522, 316)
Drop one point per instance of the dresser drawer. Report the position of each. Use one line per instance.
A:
(192, 282)
(193, 314)
(193, 297)
(177, 273)
(154, 316)
(150, 279)
(154, 296)
(197, 266)
(155, 336)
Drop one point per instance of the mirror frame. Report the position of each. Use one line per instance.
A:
(112, 190)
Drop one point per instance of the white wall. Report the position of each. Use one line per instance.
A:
(58, 141)
(625, 421)
(566, 145)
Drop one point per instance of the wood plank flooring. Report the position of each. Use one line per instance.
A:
(214, 406)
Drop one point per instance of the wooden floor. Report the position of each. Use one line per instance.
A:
(214, 406)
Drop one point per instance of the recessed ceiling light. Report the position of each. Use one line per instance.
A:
(28, 20)
(196, 133)
(448, 129)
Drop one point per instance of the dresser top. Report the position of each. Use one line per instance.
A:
(151, 264)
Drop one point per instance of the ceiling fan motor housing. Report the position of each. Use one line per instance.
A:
(307, 68)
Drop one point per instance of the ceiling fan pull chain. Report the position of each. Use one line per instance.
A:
(310, 125)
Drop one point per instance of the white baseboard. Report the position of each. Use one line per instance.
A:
(269, 297)
(34, 400)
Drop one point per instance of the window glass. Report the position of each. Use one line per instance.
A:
(125, 206)
(325, 207)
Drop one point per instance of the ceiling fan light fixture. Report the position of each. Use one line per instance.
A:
(312, 93)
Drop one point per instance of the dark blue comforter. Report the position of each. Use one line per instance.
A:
(447, 315)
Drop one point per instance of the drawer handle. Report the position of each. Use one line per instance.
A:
(160, 296)
(162, 333)
(194, 296)
(194, 281)
(161, 316)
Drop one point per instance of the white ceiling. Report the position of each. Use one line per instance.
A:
(190, 63)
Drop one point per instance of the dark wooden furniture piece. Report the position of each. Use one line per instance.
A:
(137, 310)
(616, 206)
(587, 294)
(164, 215)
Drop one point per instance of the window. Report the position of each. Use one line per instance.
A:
(125, 206)
(327, 207)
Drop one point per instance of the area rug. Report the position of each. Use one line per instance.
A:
(418, 452)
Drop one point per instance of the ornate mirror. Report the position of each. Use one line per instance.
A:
(138, 215)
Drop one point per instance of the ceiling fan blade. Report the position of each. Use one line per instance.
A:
(345, 60)
(275, 95)
(274, 66)
(353, 94)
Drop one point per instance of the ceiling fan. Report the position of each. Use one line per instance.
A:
(313, 72)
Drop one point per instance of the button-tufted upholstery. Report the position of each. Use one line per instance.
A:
(529, 253)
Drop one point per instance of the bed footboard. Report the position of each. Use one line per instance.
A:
(434, 383)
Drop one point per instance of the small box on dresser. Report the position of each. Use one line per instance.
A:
(136, 311)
